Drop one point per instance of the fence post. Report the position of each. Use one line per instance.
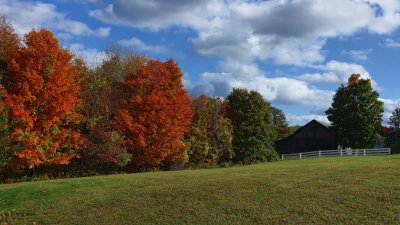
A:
(389, 150)
(300, 155)
(319, 153)
(340, 152)
(282, 156)
(364, 152)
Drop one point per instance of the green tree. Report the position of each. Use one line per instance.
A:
(252, 125)
(292, 129)
(394, 120)
(210, 134)
(280, 124)
(356, 113)
(393, 136)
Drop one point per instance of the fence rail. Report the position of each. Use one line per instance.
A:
(339, 152)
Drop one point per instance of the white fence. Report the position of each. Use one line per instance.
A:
(339, 152)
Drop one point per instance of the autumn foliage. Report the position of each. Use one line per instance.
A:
(154, 114)
(61, 118)
(41, 96)
(9, 43)
(210, 133)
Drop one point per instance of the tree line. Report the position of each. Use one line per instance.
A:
(58, 117)
(130, 113)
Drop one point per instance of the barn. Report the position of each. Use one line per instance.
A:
(313, 136)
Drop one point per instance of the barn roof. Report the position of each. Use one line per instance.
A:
(303, 127)
(312, 136)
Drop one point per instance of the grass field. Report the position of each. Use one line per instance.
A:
(351, 190)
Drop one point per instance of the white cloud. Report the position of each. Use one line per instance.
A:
(359, 55)
(276, 90)
(157, 14)
(281, 31)
(389, 106)
(390, 43)
(293, 119)
(241, 33)
(187, 83)
(92, 56)
(27, 15)
(336, 73)
(139, 45)
(388, 18)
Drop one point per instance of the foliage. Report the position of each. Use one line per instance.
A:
(252, 125)
(154, 114)
(393, 133)
(272, 155)
(101, 96)
(394, 120)
(9, 43)
(356, 113)
(5, 157)
(292, 129)
(42, 97)
(210, 134)
(280, 124)
(104, 150)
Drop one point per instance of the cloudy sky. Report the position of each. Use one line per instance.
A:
(296, 53)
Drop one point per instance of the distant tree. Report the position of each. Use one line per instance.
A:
(292, 129)
(394, 120)
(393, 133)
(280, 124)
(42, 96)
(252, 125)
(100, 92)
(154, 114)
(9, 43)
(210, 133)
(104, 150)
(356, 113)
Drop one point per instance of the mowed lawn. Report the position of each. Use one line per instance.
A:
(349, 190)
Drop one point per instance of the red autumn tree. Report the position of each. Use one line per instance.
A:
(9, 43)
(154, 114)
(42, 98)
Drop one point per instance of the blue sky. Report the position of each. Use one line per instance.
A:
(296, 53)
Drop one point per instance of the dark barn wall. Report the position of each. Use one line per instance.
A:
(311, 137)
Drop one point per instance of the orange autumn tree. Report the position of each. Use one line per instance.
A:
(42, 98)
(9, 43)
(154, 114)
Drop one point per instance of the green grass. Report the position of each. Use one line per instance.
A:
(351, 190)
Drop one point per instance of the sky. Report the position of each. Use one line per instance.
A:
(296, 53)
